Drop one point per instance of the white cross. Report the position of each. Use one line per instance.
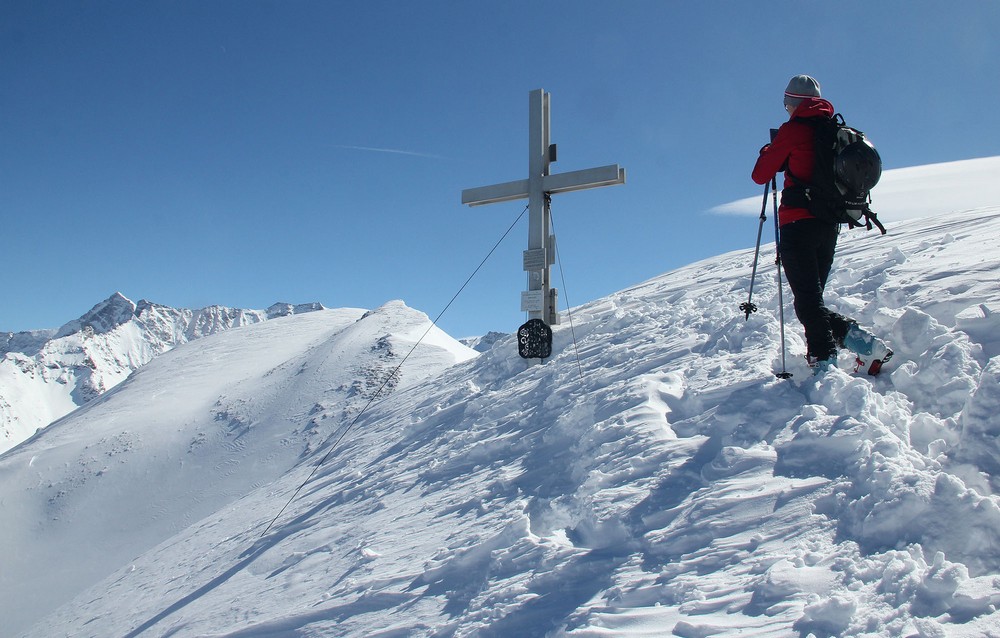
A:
(539, 301)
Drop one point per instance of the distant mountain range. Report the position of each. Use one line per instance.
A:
(46, 374)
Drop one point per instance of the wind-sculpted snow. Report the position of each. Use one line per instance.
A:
(654, 478)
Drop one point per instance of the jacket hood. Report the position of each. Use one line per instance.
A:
(814, 107)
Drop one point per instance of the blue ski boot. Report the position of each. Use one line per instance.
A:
(819, 366)
(870, 351)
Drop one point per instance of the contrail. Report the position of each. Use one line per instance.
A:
(387, 150)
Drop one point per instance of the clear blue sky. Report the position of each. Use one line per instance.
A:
(243, 152)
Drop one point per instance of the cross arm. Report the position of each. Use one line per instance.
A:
(496, 193)
(579, 180)
(559, 183)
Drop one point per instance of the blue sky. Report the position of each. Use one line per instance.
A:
(246, 152)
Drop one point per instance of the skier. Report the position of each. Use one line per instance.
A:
(807, 244)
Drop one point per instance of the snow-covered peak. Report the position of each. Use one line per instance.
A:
(403, 327)
(485, 342)
(102, 318)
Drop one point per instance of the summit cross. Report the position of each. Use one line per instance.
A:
(539, 301)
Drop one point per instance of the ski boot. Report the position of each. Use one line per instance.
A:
(869, 350)
(819, 366)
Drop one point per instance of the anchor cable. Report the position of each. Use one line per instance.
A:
(569, 310)
(391, 376)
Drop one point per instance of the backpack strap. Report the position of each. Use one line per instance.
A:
(804, 190)
(871, 219)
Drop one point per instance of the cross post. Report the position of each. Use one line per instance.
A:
(540, 299)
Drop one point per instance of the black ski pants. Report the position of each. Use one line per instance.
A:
(807, 248)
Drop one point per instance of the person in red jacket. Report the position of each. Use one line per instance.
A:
(807, 244)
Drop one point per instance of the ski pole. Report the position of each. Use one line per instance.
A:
(784, 374)
(749, 306)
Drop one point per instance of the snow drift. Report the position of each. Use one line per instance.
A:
(654, 478)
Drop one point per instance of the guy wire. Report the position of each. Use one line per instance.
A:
(392, 375)
(569, 311)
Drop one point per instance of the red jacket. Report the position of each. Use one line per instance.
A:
(792, 144)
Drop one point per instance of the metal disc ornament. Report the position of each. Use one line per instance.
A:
(534, 340)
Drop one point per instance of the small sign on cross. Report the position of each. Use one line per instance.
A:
(539, 301)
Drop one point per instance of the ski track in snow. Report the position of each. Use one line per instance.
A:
(654, 478)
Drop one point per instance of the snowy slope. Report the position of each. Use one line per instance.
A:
(190, 432)
(45, 375)
(654, 478)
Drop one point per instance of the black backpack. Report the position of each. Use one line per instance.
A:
(846, 168)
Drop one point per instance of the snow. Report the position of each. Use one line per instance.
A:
(653, 478)
(45, 375)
